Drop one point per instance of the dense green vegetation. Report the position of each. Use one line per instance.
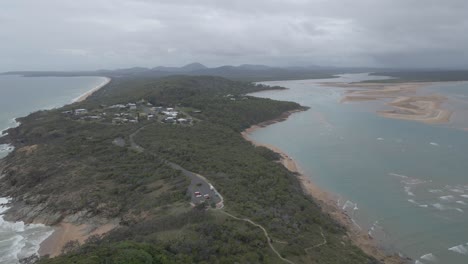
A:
(75, 167)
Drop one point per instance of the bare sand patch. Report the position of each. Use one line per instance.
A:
(406, 104)
(65, 232)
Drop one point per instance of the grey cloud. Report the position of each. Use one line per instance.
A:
(92, 34)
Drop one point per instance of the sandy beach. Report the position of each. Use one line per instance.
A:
(405, 103)
(65, 232)
(327, 200)
(90, 92)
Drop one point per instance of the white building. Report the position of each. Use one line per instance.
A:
(80, 111)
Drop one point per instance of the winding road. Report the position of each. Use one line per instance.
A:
(201, 184)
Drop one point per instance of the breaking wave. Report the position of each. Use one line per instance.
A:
(461, 249)
(19, 240)
(429, 257)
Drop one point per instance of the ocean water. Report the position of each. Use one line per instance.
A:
(405, 183)
(18, 240)
(20, 96)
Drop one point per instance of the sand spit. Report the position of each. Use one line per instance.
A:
(327, 200)
(405, 103)
(83, 97)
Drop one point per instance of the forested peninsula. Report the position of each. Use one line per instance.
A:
(118, 160)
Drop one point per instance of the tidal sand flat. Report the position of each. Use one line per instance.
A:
(20, 96)
(403, 98)
(402, 183)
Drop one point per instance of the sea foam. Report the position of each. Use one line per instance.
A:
(429, 257)
(439, 206)
(461, 249)
(19, 240)
(447, 198)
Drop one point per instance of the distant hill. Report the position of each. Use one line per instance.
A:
(244, 72)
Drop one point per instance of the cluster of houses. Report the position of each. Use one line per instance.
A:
(131, 113)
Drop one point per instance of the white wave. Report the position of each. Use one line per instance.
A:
(347, 204)
(461, 249)
(434, 144)
(372, 228)
(456, 190)
(380, 139)
(408, 191)
(461, 202)
(418, 262)
(435, 191)
(464, 195)
(398, 175)
(6, 147)
(429, 257)
(438, 206)
(447, 198)
(423, 205)
(356, 224)
(459, 210)
(19, 240)
(412, 201)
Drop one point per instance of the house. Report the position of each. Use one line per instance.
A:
(67, 112)
(157, 109)
(169, 119)
(117, 106)
(131, 106)
(150, 117)
(183, 121)
(80, 111)
(169, 109)
(170, 113)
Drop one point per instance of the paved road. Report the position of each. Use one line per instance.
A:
(198, 183)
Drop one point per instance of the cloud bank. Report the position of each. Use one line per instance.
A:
(94, 34)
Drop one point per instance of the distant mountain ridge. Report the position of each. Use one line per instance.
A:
(256, 72)
(244, 72)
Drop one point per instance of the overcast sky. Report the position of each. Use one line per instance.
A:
(94, 34)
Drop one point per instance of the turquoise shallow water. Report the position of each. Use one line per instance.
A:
(20, 96)
(404, 182)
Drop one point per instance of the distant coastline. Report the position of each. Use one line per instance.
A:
(87, 94)
(327, 200)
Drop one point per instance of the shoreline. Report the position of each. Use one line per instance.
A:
(65, 232)
(327, 200)
(87, 94)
